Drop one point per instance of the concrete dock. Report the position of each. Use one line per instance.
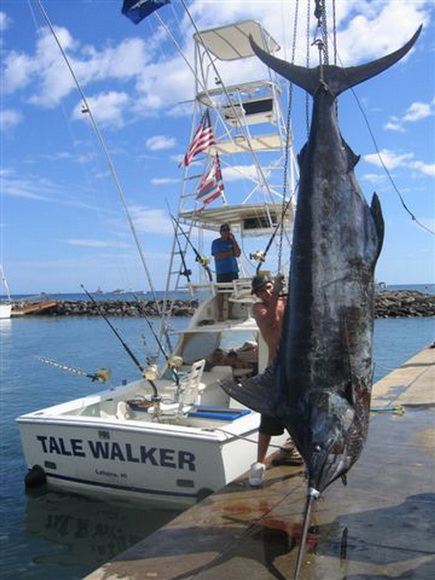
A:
(380, 525)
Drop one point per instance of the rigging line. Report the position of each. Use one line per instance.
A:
(396, 189)
(243, 128)
(106, 153)
(284, 206)
(180, 50)
(274, 233)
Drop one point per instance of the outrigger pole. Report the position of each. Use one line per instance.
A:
(87, 109)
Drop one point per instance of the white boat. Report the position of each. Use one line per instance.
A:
(5, 304)
(178, 439)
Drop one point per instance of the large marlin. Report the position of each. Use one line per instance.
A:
(322, 379)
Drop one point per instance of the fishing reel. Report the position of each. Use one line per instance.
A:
(151, 372)
(258, 256)
(175, 362)
(102, 375)
(203, 260)
(187, 273)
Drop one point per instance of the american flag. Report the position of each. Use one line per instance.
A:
(202, 140)
(211, 186)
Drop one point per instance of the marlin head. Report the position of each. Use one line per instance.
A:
(330, 441)
(337, 79)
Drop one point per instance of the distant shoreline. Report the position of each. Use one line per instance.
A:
(388, 304)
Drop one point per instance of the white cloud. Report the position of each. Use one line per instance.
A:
(160, 142)
(415, 112)
(25, 187)
(152, 221)
(86, 243)
(374, 177)
(237, 172)
(164, 180)
(390, 159)
(373, 29)
(393, 160)
(9, 118)
(4, 21)
(107, 108)
(426, 168)
(158, 82)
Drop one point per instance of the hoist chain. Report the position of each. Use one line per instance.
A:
(307, 104)
(287, 144)
(320, 14)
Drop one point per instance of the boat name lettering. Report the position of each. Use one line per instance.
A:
(113, 451)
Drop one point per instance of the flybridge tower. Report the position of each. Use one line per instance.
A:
(255, 152)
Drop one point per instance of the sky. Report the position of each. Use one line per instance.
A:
(62, 223)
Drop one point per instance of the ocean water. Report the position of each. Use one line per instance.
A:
(51, 535)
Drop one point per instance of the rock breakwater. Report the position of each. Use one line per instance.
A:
(388, 304)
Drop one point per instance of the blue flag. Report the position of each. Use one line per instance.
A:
(137, 10)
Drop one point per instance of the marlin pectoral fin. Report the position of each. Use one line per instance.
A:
(376, 210)
(255, 393)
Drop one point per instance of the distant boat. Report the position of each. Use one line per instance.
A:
(118, 291)
(380, 286)
(5, 304)
(98, 291)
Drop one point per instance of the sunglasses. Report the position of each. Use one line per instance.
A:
(225, 230)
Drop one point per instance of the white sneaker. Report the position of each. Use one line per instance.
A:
(256, 474)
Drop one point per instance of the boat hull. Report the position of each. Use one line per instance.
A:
(5, 310)
(138, 458)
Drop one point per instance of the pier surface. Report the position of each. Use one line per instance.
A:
(381, 525)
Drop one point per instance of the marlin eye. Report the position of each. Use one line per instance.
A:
(317, 448)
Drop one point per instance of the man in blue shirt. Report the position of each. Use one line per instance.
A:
(225, 251)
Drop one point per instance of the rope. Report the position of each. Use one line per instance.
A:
(396, 189)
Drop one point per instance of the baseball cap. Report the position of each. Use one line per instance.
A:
(225, 228)
(258, 282)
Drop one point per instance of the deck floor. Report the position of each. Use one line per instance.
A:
(381, 525)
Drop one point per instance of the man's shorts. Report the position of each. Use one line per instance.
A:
(227, 277)
(270, 426)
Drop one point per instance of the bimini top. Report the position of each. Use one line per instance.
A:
(252, 219)
(232, 41)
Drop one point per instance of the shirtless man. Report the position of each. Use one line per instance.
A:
(269, 316)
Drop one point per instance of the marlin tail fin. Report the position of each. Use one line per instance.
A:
(337, 79)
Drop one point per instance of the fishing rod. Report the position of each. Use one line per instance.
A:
(102, 375)
(186, 271)
(261, 256)
(158, 342)
(200, 259)
(124, 344)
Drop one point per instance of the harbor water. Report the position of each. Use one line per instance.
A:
(51, 535)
